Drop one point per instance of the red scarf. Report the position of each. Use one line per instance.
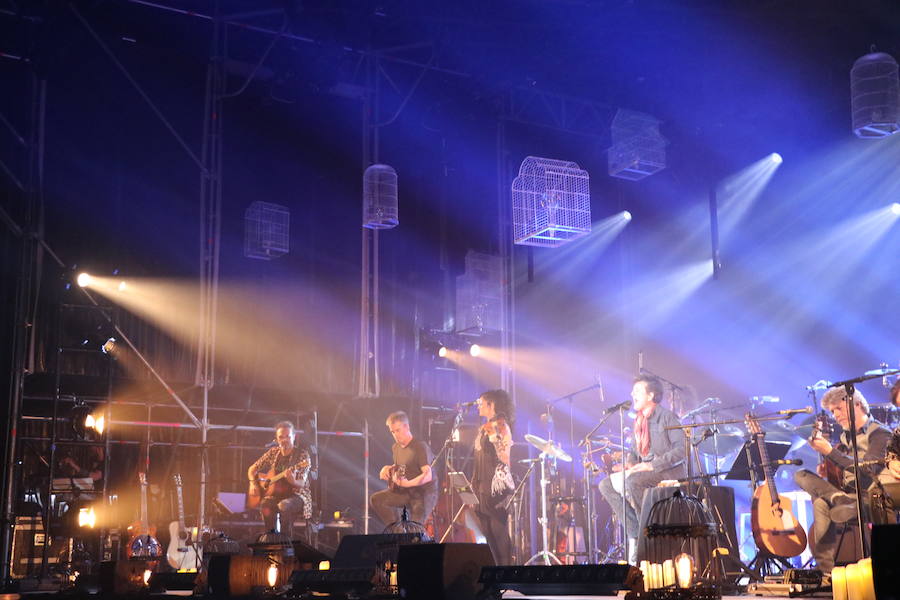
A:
(642, 430)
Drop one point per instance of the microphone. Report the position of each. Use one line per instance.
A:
(795, 411)
(271, 444)
(620, 406)
(468, 404)
(821, 384)
(787, 461)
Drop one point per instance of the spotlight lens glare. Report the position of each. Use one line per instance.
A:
(442, 352)
(626, 215)
(474, 350)
(776, 158)
(895, 208)
(83, 280)
(122, 286)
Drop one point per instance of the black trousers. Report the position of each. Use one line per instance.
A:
(495, 526)
(388, 504)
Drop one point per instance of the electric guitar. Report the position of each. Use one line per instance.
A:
(270, 484)
(775, 528)
(183, 553)
(142, 544)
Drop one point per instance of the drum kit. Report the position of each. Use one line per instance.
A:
(711, 445)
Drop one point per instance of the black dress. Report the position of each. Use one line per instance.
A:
(493, 485)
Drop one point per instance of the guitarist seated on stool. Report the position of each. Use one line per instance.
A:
(835, 501)
(411, 482)
(289, 494)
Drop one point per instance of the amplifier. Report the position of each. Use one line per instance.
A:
(29, 541)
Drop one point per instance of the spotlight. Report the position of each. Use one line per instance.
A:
(626, 215)
(86, 517)
(474, 350)
(122, 286)
(895, 208)
(442, 352)
(776, 158)
(108, 346)
(84, 280)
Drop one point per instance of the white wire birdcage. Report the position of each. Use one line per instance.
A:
(638, 149)
(875, 96)
(479, 293)
(551, 202)
(380, 205)
(266, 230)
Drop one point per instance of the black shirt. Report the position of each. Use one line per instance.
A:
(413, 458)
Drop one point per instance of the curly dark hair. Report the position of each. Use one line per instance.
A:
(895, 393)
(503, 404)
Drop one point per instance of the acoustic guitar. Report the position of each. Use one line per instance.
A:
(827, 470)
(270, 484)
(183, 553)
(775, 528)
(394, 473)
(142, 544)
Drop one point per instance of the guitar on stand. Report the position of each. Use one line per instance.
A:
(183, 552)
(776, 530)
(143, 544)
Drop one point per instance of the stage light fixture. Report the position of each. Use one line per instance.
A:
(87, 517)
(776, 158)
(108, 346)
(626, 215)
(122, 286)
(474, 350)
(84, 280)
(443, 352)
(895, 208)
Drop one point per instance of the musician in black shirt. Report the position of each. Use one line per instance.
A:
(410, 478)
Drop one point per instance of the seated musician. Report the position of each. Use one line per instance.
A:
(289, 496)
(411, 481)
(892, 457)
(834, 501)
(658, 454)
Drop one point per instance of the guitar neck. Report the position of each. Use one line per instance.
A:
(145, 521)
(180, 506)
(767, 466)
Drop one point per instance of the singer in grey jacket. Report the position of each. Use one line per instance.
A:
(658, 453)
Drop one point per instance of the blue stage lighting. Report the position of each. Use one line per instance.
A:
(776, 158)
(626, 215)
(895, 208)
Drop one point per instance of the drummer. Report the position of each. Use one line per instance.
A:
(657, 454)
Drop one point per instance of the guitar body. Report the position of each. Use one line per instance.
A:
(182, 553)
(775, 528)
(270, 484)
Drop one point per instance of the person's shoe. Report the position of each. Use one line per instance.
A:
(843, 509)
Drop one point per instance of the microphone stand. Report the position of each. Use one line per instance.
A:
(448, 448)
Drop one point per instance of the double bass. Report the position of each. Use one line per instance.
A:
(775, 527)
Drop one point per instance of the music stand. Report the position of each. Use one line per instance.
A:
(463, 489)
(740, 469)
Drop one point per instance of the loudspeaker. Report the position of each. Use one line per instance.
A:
(885, 541)
(365, 551)
(563, 580)
(306, 556)
(441, 571)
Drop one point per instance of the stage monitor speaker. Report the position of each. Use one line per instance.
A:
(885, 541)
(308, 557)
(563, 580)
(365, 551)
(441, 571)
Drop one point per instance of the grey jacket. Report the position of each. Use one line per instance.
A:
(666, 447)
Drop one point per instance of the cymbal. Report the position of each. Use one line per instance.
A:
(548, 447)
(730, 438)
